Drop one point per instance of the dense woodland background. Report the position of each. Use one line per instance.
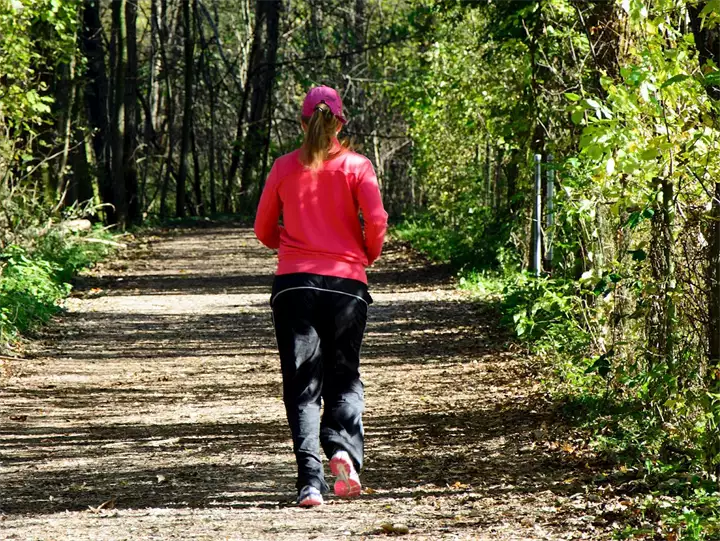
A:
(125, 111)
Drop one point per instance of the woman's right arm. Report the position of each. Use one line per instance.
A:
(374, 215)
(267, 229)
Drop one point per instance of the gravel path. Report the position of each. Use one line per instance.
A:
(152, 410)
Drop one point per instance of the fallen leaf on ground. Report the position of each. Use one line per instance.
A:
(400, 529)
(109, 504)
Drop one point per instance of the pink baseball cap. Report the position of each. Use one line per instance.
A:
(326, 95)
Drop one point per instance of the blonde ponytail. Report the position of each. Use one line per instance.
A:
(322, 126)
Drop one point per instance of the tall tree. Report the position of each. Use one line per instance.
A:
(237, 145)
(65, 102)
(130, 146)
(117, 117)
(262, 82)
(707, 41)
(96, 100)
(151, 103)
(164, 42)
(189, 67)
(212, 104)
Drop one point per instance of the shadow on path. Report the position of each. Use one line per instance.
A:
(180, 405)
(411, 455)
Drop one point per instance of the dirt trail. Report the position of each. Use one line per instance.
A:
(153, 411)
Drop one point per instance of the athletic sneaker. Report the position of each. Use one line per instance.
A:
(348, 481)
(309, 497)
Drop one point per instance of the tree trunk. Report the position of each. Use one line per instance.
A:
(315, 42)
(254, 66)
(189, 53)
(212, 102)
(197, 187)
(67, 88)
(130, 148)
(266, 153)
(211, 156)
(81, 190)
(538, 73)
(707, 41)
(153, 93)
(360, 27)
(81, 183)
(153, 66)
(512, 171)
(170, 108)
(661, 328)
(96, 99)
(118, 110)
(600, 24)
(497, 180)
(262, 82)
(488, 175)
(714, 290)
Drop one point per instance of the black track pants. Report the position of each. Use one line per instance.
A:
(319, 324)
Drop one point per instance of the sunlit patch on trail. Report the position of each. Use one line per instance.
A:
(157, 407)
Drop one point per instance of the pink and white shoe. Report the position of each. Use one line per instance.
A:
(347, 484)
(309, 497)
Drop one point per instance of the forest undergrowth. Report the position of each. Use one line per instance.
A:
(640, 453)
(37, 264)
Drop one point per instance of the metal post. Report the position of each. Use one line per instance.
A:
(537, 248)
(549, 210)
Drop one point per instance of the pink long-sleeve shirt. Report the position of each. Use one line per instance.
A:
(321, 231)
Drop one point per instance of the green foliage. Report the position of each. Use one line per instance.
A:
(36, 35)
(38, 41)
(32, 284)
(486, 284)
(621, 316)
(472, 243)
(29, 291)
(69, 253)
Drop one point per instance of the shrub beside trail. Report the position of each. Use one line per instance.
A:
(35, 274)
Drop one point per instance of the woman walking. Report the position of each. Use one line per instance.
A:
(320, 296)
